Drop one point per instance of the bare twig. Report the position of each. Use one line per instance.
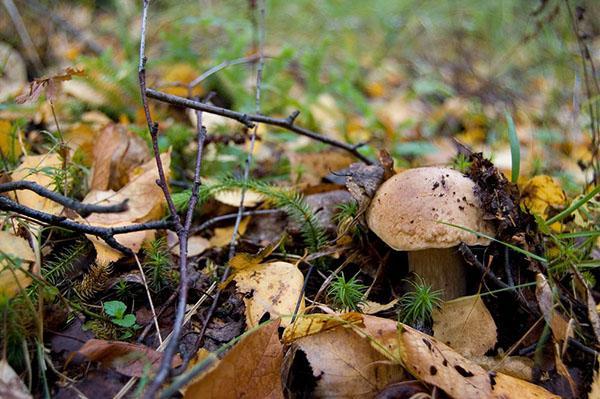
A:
(82, 209)
(249, 120)
(247, 165)
(28, 45)
(105, 233)
(150, 301)
(217, 219)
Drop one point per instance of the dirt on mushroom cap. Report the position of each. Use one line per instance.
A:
(407, 210)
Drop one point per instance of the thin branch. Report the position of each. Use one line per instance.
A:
(105, 233)
(28, 45)
(248, 163)
(249, 120)
(230, 216)
(82, 209)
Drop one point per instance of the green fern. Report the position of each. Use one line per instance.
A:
(289, 201)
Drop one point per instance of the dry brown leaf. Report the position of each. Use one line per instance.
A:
(431, 361)
(38, 169)
(344, 364)
(124, 357)
(466, 325)
(117, 153)
(272, 288)
(11, 386)
(371, 307)
(145, 203)
(306, 325)
(515, 366)
(251, 370)
(558, 324)
(50, 83)
(12, 281)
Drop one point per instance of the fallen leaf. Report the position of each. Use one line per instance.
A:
(251, 369)
(17, 248)
(196, 244)
(9, 142)
(466, 325)
(272, 288)
(182, 74)
(145, 203)
(431, 361)
(11, 386)
(515, 366)
(343, 364)
(222, 235)
(558, 324)
(117, 152)
(371, 307)
(234, 198)
(541, 194)
(595, 388)
(132, 360)
(39, 169)
(306, 325)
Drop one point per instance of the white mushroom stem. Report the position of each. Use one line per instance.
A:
(442, 268)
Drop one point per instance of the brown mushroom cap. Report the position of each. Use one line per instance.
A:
(406, 209)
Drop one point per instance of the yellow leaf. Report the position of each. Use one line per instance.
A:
(542, 193)
(272, 288)
(222, 235)
(11, 281)
(306, 325)
(39, 169)
(9, 143)
(184, 74)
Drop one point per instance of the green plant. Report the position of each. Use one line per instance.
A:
(417, 305)
(116, 310)
(347, 294)
(461, 163)
(157, 265)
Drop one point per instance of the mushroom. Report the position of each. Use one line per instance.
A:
(405, 213)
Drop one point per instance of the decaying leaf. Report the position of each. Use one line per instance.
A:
(272, 288)
(129, 359)
(431, 361)
(515, 366)
(15, 255)
(145, 203)
(11, 386)
(251, 369)
(466, 325)
(40, 169)
(342, 363)
(50, 83)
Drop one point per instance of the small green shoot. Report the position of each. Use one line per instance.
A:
(347, 294)
(416, 306)
(515, 149)
(461, 163)
(116, 310)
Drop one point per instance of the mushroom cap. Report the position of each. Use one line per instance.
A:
(406, 209)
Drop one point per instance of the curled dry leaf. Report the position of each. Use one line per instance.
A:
(15, 254)
(431, 361)
(466, 325)
(39, 169)
(250, 370)
(271, 288)
(145, 203)
(50, 83)
(11, 386)
(342, 364)
(116, 154)
(132, 360)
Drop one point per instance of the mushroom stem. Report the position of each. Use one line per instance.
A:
(442, 268)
